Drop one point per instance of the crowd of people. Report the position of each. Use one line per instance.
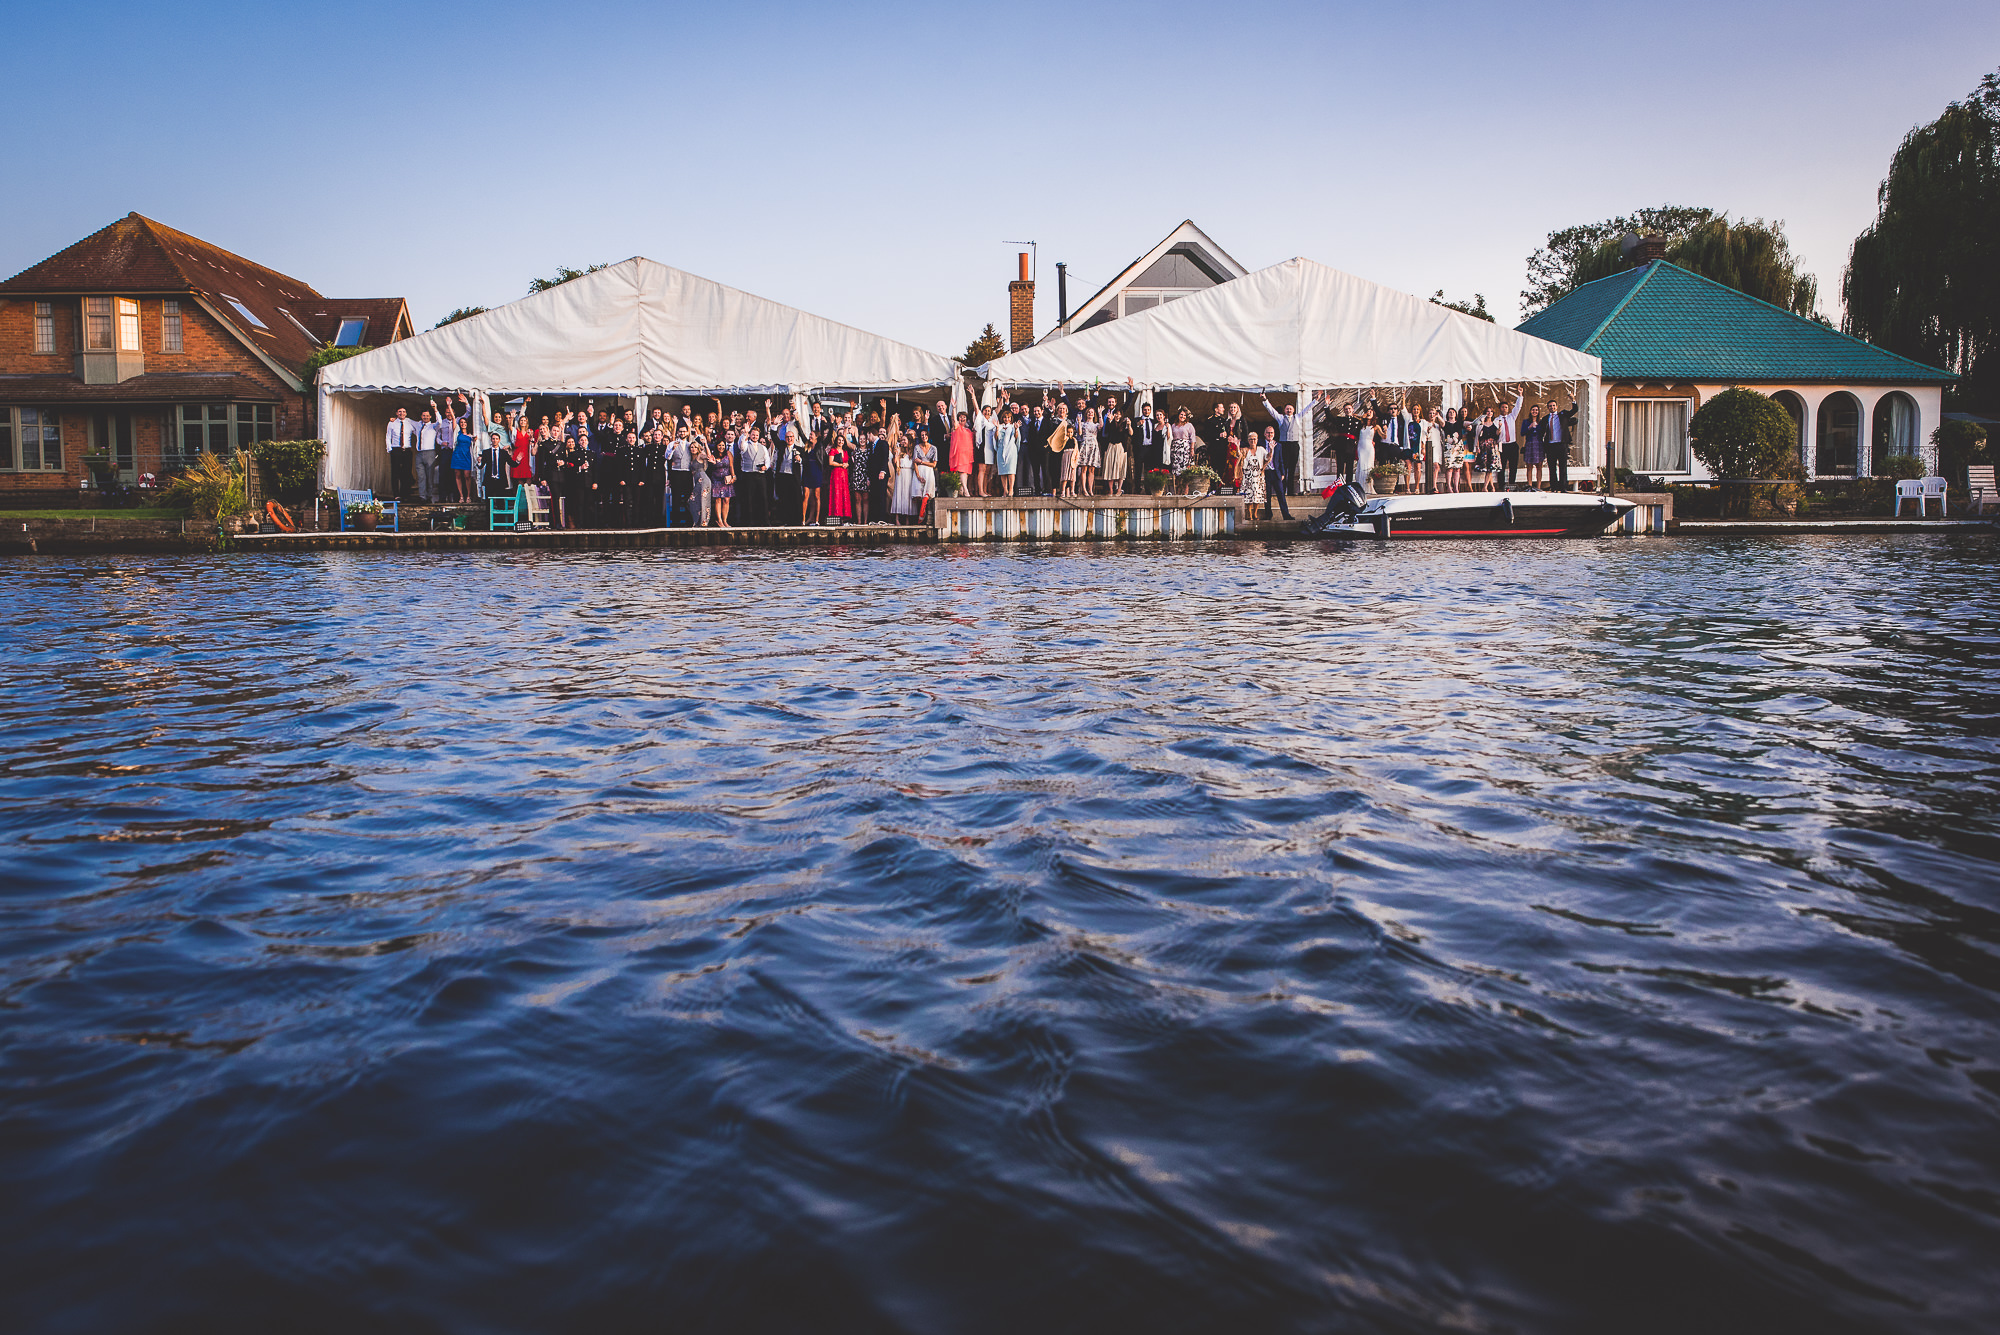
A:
(882, 464)
(1450, 450)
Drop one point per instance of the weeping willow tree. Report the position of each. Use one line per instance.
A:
(1750, 255)
(1924, 279)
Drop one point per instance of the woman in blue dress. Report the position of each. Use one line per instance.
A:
(1007, 452)
(461, 464)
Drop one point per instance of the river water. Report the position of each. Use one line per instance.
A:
(1585, 936)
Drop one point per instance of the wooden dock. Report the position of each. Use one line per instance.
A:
(586, 539)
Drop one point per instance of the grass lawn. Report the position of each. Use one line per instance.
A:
(135, 512)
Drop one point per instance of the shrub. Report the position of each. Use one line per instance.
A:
(1741, 433)
(1187, 477)
(211, 489)
(951, 484)
(293, 465)
(1898, 467)
(1157, 480)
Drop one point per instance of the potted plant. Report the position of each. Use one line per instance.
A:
(951, 484)
(1383, 478)
(1157, 480)
(365, 515)
(1198, 480)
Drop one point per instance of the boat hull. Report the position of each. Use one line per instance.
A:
(1479, 515)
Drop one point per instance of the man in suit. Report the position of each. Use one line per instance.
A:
(1146, 441)
(878, 480)
(938, 423)
(1034, 453)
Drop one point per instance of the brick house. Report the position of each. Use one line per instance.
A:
(150, 347)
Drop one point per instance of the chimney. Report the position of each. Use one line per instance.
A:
(1062, 293)
(1021, 309)
(1639, 251)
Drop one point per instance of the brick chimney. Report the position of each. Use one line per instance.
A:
(1021, 309)
(1644, 250)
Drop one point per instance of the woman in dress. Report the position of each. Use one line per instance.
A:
(1117, 462)
(1007, 452)
(960, 461)
(1534, 446)
(461, 463)
(699, 486)
(839, 493)
(1252, 462)
(722, 482)
(813, 480)
(1487, 461)
(926, 461)
(903, 503)
(1181, 446)
(1089, 453)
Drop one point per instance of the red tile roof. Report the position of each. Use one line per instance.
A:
(138, 255)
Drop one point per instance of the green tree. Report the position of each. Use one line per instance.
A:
(984, 348)
(1751, 256)
(1476, 308)
(1559, 267)
(563, 274)
(1924, 279)
(462, 313)
(1741, 433)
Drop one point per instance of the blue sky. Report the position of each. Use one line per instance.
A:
(871, 163)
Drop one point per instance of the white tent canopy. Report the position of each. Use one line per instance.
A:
(1295, 325)
(630, 329)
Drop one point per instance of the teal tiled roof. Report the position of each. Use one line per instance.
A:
(1660, 322)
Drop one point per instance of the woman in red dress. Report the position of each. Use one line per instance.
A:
(841, 502)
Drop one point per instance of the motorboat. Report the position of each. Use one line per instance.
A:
(1467, 514)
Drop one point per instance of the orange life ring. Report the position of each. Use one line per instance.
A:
(280, 516)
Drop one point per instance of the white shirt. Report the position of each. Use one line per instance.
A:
(427, 434)
(1506, 419)
(402, 433)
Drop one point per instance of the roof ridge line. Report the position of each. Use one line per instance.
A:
(1623, 302)
(153, 229)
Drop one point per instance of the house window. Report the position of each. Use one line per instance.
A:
(204, 429)
(170, 326)
(128, 325)
(219, 428)
(350, 335)
(1653, 435)
(1835, 451)
(1895, 429)
(97, 324)
(30, 441)
(253, 423)
(45, 326)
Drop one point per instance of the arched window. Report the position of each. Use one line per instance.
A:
(1796, 406)
(1895, 428)
(1834, 454)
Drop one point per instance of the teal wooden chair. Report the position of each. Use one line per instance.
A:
(503, 511)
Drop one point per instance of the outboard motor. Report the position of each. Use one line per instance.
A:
(1344, 502)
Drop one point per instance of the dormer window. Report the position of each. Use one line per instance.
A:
(352, 331)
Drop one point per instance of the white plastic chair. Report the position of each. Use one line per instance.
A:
(1910, 490)
(1934, 489)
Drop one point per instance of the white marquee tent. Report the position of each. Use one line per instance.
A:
(1300, 326)
(631, 330)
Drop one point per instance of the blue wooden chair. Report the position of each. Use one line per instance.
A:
(503, 511)
(390, 509)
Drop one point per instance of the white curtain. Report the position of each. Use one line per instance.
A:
(1897, 433)
(1652, 435)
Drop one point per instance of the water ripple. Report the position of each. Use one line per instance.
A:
(1577, 937)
